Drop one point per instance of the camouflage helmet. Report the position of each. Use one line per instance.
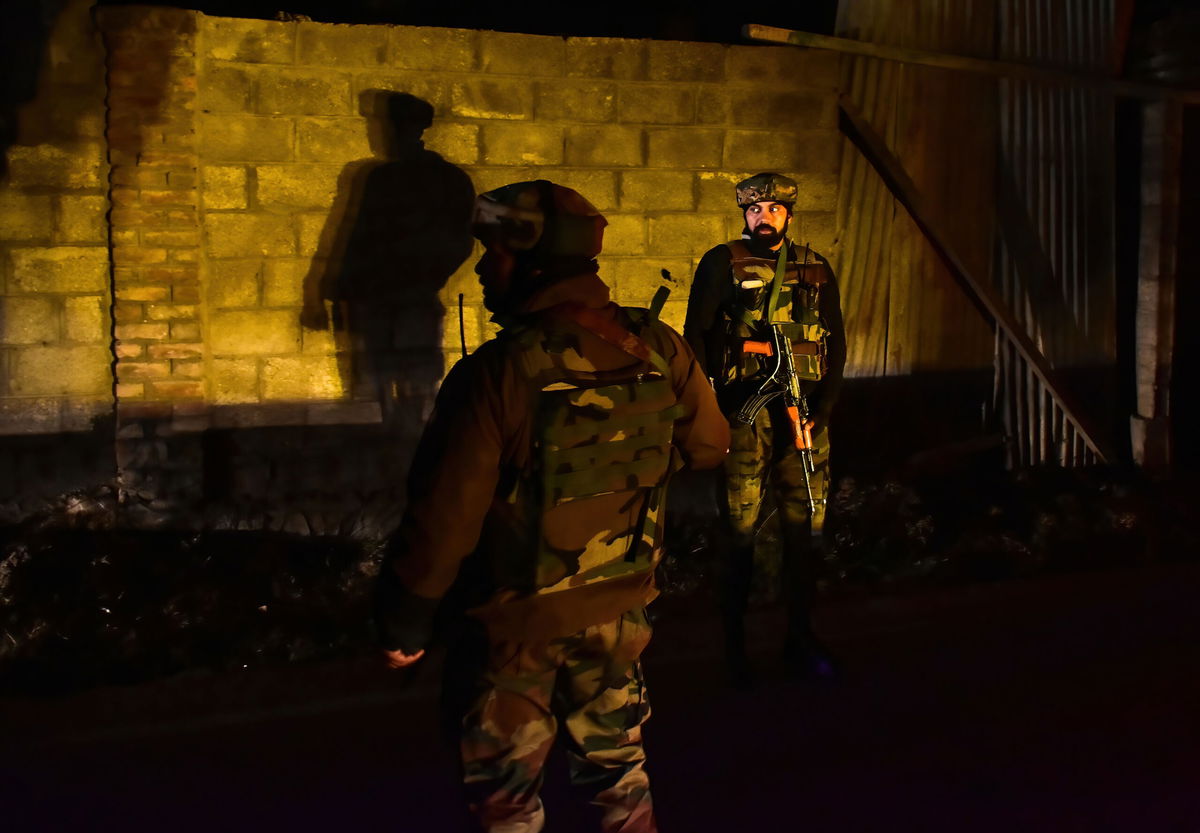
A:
(541, 218)
(766, 187)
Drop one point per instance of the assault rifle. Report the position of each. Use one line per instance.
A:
(778, 378)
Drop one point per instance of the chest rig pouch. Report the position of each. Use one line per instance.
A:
(765, 292)
(602, 455)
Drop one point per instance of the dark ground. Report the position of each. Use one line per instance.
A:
(1056, 703)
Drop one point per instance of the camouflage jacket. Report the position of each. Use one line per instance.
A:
(476, 448)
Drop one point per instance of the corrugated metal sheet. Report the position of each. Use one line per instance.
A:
(1021, 175)
(1056, 145)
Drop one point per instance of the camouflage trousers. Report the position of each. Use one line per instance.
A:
(592, 681)
(762, 458)
(762, 461)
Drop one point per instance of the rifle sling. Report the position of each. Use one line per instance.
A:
(777, 282)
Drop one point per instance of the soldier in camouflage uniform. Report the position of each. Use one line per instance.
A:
(539, 483)
(738, 286)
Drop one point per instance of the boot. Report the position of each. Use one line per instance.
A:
(805, 656)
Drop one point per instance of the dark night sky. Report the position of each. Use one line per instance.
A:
(695, 20)
(703, 20)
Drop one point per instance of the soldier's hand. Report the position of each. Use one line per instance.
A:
(399, 659)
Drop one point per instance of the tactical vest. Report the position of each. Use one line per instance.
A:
(602, 455)
(798, 307)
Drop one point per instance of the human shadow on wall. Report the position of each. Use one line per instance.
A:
(399, 228)
(23, 39)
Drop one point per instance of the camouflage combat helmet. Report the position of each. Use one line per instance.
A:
(541, 218)
(766, 187)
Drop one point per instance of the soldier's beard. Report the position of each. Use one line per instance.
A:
(493, 300)
(506, 296)
(767, 235)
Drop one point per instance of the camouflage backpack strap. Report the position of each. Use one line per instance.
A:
(611, 331)
(739, 251)
(738, 248)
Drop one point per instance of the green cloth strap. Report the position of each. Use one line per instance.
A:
(613, 569)
(777, 282)
(746, 316)
(792, 329)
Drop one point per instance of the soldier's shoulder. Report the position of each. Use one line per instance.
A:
(487, 357)
(724, 249)
(716, 259)
(830, 275)
(812, 255)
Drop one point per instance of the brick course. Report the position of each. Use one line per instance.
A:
(445, 50)
(152, 140)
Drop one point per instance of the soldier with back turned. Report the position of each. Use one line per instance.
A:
(542, 476)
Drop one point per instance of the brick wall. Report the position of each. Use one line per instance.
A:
(653, 133)
(155, 233)
(55, 372)
(230, 153)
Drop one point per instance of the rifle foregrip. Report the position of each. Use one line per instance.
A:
(800, 429)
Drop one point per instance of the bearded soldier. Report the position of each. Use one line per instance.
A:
(741, 288)
(542, 475)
